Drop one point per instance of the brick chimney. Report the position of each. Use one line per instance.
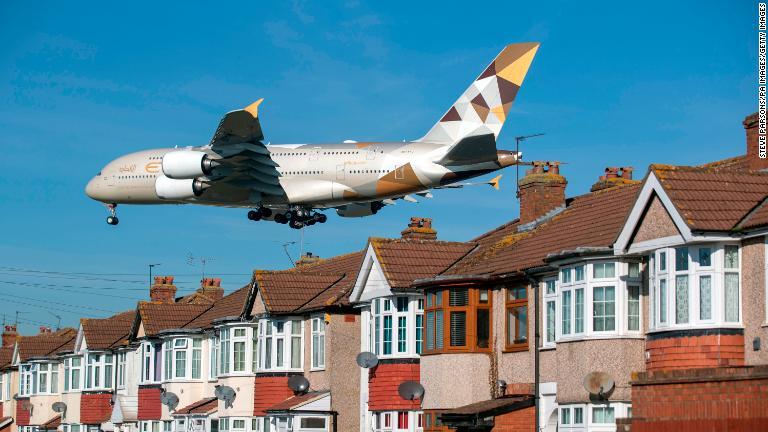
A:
(45, 330)
(419, 229)
(211, 288)
(163, 290)
(9, 335)
(541, 191)
(307, 258)
(751, 127)
(614, 176)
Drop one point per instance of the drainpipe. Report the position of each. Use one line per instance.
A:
(536, 339)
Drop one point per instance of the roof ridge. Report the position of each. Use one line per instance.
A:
(703, 169)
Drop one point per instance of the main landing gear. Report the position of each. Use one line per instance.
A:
(260, 213)
(296, 218)
(112, 218)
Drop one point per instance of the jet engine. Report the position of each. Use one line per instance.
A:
(173, 189)
(359, 209)
(185, 164)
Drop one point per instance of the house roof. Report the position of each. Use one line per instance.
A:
(590, 220)
(46, 344)
(109, 332)
(203, 406)
(6, 356)
(491, 407)
(157, 317)
(297, 401)
(52, 424)
(231, 305)
(715, 200)
(5, 422)
(290, 291)
(405, 260)
(348, 265)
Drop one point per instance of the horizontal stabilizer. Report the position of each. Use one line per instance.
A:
(471, 150)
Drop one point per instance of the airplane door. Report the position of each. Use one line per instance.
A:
(340, 172)
(400, 173)
(371, 153)
(110, 180)
(314, 153)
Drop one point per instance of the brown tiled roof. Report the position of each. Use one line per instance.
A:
(348, 265)
(758, 217)
(297, 401)
(6, 356)
(737, 163)
(290, 291)
(46, 344)
(108, 332)
(405, 260)
(231, 305)
(492, 406)
(203, 406)
(590, 220)
(157, 317)
(52, 424)
(712, 200)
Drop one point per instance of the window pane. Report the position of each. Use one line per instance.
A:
(578, 415)
(579, 273)
(610, 270)
(732, 297)
(402, 420)
(681, 299)
(663, 301)
(662, 261)
(402, 304)
(517, 293)
(483, 328)
(604, 309)
(681, 259)
(633, 271)
(566, 313)
(430, 330)
(566, 414)
(181, 364)
(419, 332)
(458, 328)
(402, 334)
(705, 297)
(280, 351)
(387, 335)
(551, 321)
(565, 275)
(705, 257)
(482, 296)
(598, 271)
(633, 308)
(578, 321)
(239, 356)
(439, 334)
(295, 352)
(458, 297)
(732, 257)
(551, 287)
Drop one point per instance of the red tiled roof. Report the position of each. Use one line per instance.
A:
(6, 356)
(296, 401)
(157, 317)
(231, 305)
(203, 406)
(5, 423)
(713, 200)
(290, 291)
(52, 424)
(737, 163)
(348, 265)
(590, 220)
(46, 344)
(405, 260)
(108, 332)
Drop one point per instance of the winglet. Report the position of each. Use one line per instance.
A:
(494, 182)
(254, 108)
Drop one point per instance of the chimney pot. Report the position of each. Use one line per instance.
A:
(163, 290)
(541, 190)
(419, 229)
(9, 335)
(626, 173)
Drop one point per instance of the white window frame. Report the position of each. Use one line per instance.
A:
(172, 348)
(148, 365)
(51, 373)
(298, 420)
(549, 297)
(120, 368)
(69, 375)
(98, 367)
(270, 337)
(317, 330)
(378, 421)
(717, 274)
(27, 379)
(382, 307)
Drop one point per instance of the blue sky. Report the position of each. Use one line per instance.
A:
(80, 84)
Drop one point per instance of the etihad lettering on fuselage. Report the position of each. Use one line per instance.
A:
(152, 167)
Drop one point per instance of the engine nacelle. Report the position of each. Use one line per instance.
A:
(174, 189)
(186, 164)
(359, 209)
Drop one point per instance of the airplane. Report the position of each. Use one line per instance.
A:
(294, 183)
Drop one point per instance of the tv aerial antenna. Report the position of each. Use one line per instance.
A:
(151, 266)
(518, 140)
(58, 317)
(193, 261)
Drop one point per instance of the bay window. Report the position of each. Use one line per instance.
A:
(550, 310)
(27, 379)
(318, 343)
(516, 306)
(48, 376)
(72, 373)
(458, 319)
(182, 358)
(397, 326)
(213, 358)
(99, 368)
(397, 421)
(151, 354)
(280, 344)
(696, 286)
(120, 369)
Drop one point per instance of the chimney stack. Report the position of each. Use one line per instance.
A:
(419, 229)
(211, 288)
(541, 191)
(614, 176)
(163, 290)
(9, 335)
(45, 330)
(307, 258)
(752, 129)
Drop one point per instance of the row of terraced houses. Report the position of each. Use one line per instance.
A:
(640, 305)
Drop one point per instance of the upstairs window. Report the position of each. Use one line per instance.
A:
(458, 319)
(99, 371)
(516, 306)
(318, 343)
(120, 370)
(235, 354)
(151, 366)
(48, 375)
(281, 344)
(182, 358)
(72, 373)
(396, 326)
(27, 379)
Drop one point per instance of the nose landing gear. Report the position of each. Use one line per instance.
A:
(112, 218)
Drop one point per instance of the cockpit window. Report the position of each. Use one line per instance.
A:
(98, 173)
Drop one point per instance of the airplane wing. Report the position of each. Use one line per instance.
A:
(245, 161)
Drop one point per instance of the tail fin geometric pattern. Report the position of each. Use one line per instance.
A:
(484, 106)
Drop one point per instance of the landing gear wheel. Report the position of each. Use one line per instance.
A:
(280, 218)
(322, 218)
(265, 212)
(295, 224)
(310, 222)
(254, 215)
(113, 220)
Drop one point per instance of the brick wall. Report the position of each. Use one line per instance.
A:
(1, 410)
(95, 408)
(715, 399)
(269, 390)
(383, 381)
(22, 415)
(695, 349)
(149, 403)
(516, 421)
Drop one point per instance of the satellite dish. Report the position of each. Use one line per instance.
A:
(598, 384)
(410, 390)
(170, 400)
(367, 360)
(59, 407)
(298, 384)
(226, 394)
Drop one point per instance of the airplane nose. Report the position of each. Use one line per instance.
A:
(91, 188)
